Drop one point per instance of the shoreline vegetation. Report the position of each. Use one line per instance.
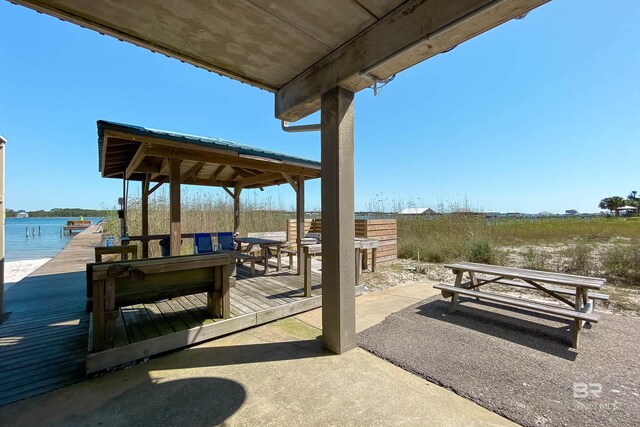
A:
(64, 213)
(600, 246)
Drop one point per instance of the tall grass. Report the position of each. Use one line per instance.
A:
(445, 238)
(201, 212)
(559, 229)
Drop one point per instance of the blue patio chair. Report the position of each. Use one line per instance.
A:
(225, 241)
(202, 243)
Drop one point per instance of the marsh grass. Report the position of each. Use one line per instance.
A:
(445, 238)
(201, 212)
(449, 238)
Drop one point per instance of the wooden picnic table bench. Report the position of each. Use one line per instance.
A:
(580, 287)
(122, 283)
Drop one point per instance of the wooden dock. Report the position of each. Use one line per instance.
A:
(44, 342)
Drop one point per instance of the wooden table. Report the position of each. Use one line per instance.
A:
(266, 245)
(316, 249)
(560, 286)
(124, 250)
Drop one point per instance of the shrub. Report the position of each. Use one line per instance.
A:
(536, 259)
(580, 260)
(481, 249)
(622, 262)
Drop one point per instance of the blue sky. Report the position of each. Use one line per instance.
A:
(541, 114)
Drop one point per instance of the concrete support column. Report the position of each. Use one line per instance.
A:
(2, 208)
(175, 230)
(300, 222)
(338, 219)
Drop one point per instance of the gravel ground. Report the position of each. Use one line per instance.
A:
(517, 364)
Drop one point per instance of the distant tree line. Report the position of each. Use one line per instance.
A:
(63, 212)
(614, 203)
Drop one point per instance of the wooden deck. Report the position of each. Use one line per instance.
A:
(44, 342)
(143, 330)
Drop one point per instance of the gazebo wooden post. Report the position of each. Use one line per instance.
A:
(145, 214)
(338, 217)
(174, 202)
(236, 209)
(300, 223)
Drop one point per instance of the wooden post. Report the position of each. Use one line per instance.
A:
(338, 217)
(145, 214)
(300, 222)
(2, 207)
(174, 201)
(236, 209)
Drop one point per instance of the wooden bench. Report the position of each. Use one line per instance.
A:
(251, 259)
(577, 316)
(123, 283)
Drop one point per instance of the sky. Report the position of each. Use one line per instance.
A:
(539, 114)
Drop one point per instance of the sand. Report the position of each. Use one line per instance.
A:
(14, 271)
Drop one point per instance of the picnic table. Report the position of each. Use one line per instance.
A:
(361, 244)
(577, 292)
(266, 245)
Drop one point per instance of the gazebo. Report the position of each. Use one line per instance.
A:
(155, 157)
(312, 56)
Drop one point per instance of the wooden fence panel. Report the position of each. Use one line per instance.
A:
(383, 230)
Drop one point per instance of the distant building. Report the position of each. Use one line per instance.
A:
(22, 215)
(571, 212)
(627, 210)
(417, 211)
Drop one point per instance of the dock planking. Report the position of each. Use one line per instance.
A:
(43, 343)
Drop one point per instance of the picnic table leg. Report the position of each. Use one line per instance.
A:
(364, 264)
(265, 255)
(374, 255)
(474, 283)
(278, 253)
(454, 297)
(307, 274)
(358, 265)
(577, 323)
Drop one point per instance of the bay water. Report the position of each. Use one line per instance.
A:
(47, 241)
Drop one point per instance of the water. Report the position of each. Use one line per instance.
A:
(18, 247)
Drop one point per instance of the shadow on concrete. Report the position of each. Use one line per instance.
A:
(537, 331)
(239, 354)
(184, 402)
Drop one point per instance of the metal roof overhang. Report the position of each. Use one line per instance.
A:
(298, 49)
(133, 152)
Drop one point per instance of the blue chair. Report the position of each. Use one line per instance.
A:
(202, 243)
(225, 241)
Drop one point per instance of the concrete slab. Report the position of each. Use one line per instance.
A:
(372, 308)
(276, 374)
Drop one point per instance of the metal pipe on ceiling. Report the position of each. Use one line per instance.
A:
(299, 128)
